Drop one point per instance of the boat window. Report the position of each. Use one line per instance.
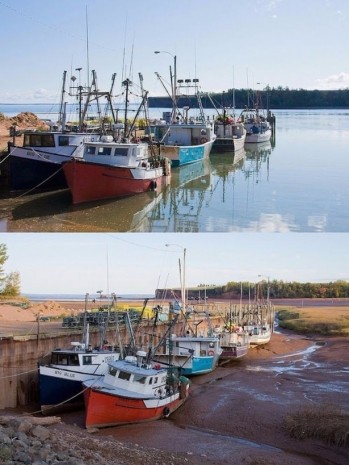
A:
(121, 152)
(87, 360)
(150, 380)
(104, 151)
(48, 140)
(74, 360)
(124, 375)
(90, 150)
(139, 379)
(63, 141)
(54, 359)
(112, 371)
(62, 359)
(211, 345)
(33, 140)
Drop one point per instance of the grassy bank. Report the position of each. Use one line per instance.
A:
(327, 321)
(326, 422)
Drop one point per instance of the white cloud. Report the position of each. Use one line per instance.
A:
(41, 94)
(333, 82)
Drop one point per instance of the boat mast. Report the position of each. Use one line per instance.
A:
(126, 83)
(62, 106)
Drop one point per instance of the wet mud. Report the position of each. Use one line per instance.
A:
(236, 413)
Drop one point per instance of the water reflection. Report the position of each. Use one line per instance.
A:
(292, 185)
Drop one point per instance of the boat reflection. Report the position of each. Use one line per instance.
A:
(209, 195)
(185, 200)
(256, 155)
(54, 212)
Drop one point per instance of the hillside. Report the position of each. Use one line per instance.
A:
(21, 121)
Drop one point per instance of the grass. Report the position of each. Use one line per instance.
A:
(327, 321)
(324, 422)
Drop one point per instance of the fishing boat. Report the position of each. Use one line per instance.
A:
(259, 333)
(133, 390)
(184, 142)
(60, 380)
(230, 134)
(234, 340)
(184, 138)
(257, 126)
(110, 169)
(191, 354)
(234, 343)
(116, 166)
(38, 161)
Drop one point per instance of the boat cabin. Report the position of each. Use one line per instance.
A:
(51, 139)
(109, 152)
(133, 375)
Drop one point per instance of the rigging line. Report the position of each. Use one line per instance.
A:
(65, 401)
(18, 374)
(5, 158)
(40, 184)
(137, 244)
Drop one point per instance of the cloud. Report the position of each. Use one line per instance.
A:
(41, 94)
(333, 82)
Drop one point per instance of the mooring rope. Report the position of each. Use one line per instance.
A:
(40, 184)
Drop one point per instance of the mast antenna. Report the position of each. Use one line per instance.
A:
(87, 51)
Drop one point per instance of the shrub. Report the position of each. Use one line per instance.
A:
(326, 423)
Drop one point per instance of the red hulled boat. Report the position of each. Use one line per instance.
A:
(133, 391)
(110, 169)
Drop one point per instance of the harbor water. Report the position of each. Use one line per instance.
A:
(295, 183)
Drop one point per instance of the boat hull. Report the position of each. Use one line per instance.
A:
(223, 145)
(92, 181)
(61, 392)
(234, 352)
(105, 409)
(28, 173)
(258, 138)
(184, 155)
(190, 366)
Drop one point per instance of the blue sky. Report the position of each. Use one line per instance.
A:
(139, 263)
(293, 43)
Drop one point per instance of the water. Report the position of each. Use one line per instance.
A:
(296, 183)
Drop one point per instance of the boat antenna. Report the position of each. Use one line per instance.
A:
(248, 90)
(107, 271)
(124, 52)
(61, 108)
(130, 73)
(233, 91)
(87, 51)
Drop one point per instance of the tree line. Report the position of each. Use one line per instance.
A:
(269, 97)
(281, 290)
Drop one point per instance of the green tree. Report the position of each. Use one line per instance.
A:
(3, 258)
(12, 286)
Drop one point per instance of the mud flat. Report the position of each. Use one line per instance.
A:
(236, 414)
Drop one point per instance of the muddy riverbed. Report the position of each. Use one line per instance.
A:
(236, 414)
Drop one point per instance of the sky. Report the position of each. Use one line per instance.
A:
(139, 263)
(229, 44)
